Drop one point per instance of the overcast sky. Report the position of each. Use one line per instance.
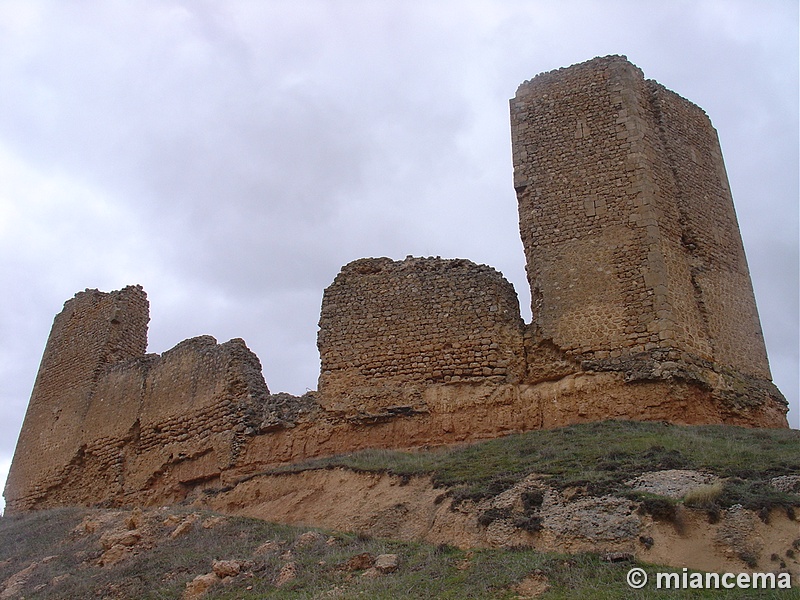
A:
(231, 156)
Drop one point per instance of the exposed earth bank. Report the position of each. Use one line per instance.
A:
(532, 514)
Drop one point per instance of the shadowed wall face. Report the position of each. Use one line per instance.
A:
(627, 221)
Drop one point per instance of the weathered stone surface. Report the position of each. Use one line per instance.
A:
(113, 555)
(738, 535)
(359, 562)
(390, 328)
(786, 483)
(120, 538)
(267, 547)
(14, 584)
(287, 573)
(212, 522)
(198, 586)
(672, 483)
(387, 563)
(136, 419)
(185, 527)
(92, 333)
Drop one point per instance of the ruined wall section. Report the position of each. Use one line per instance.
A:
(105, 420)
(390, 328)
(642, 309)
(180, 417)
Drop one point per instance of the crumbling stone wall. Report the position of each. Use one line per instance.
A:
(628, 224)
(106, 420)
(182, 415)
(389, 328)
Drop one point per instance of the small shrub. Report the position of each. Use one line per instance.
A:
(445, 549)
(756, 495)
(749, 558)
(661, 509)
(704, 496)
(663, 459)
(713, 513)
(500, 484)
(491, 515)
(532, 500)
(529, 523)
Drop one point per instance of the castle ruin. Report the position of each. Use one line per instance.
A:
(642, 309)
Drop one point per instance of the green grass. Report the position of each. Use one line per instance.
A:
(599, 457)
(426, 571)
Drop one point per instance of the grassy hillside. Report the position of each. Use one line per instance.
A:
(600, 457)
(70, 552)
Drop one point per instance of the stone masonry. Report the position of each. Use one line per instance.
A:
(95, 330)
(105, 418)
(628, 224)
(642, 309)
(388, 329)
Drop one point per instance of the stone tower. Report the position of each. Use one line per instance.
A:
(627, 220)
(94, 331)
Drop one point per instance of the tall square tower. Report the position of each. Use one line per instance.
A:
(626, 216)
